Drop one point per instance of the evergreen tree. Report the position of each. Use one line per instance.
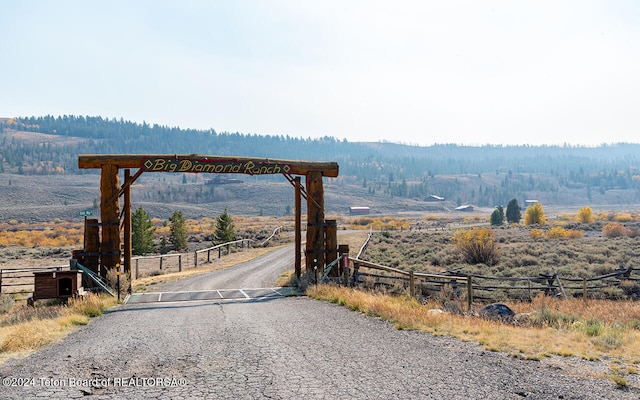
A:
(224, 229)
(141, 232)
(164, 245)
(513, 212)
(497, 216)
(178, 231)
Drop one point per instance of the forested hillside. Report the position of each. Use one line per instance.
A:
(484, 176)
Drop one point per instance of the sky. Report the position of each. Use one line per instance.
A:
(413, 72)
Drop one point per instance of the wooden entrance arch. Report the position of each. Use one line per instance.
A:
(321, 241)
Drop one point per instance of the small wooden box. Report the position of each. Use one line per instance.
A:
(57, 284)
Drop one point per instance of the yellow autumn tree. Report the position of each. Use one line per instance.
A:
(585, 215)
(535, 215)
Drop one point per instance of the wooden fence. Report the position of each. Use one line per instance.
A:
(22, 278)
(618, 284)
(149, 265)
(394, 279)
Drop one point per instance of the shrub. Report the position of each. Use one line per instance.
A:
(559, 232)
(536, 233)
(6, 303)
(478, 245)
(91, 305)
(534, 215)
(593, 327)
(112, 278)
(615, 229)
(624, 218)
(574, 234)
(585, 215)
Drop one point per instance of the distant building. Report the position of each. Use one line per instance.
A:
(466, 208)
(221, 180)
(528, 203)
(359, 210)
(433, 197)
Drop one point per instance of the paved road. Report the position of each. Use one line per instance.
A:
(278, 348)
(259, 273)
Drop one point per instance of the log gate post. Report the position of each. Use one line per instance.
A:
(110, 216)
(298, 227)
(315, 222)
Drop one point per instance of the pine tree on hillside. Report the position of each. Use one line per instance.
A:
(224, 229)
(141, 232)
(178, 231)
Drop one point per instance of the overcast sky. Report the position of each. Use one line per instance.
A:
(413, 72)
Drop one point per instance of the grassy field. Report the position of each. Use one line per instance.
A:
(594, 330)
(521, 252)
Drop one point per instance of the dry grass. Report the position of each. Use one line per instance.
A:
(25, 329)
(521, 255)
(570, 329)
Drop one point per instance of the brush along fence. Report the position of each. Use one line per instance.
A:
(417, 283)
(153, 265)
(621, 284)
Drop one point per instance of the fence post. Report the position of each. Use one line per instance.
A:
(219, 251)
(160, 263)
(180, 263)
(343, 265)
(564, 294)
(137, 268)
(0, 281)
(584, 289)
(469, 292)
(208, 256)
(195, 259)
(356, 270)
(345, 270)
(412, 288)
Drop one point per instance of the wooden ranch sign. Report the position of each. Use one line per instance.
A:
(216, 165)
(318, 246)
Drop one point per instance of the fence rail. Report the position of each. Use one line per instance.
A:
(485, 287)
(179, 261)
(410, 279)
(142, 265)
(10, 278)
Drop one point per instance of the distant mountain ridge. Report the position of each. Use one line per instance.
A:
(483, 175)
